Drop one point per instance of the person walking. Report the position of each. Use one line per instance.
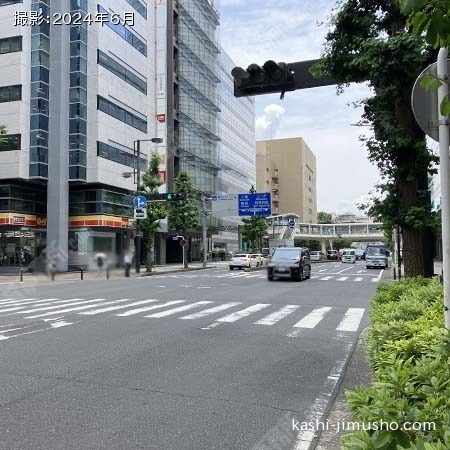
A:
(127, 262)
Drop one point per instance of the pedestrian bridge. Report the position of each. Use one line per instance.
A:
(289, 227)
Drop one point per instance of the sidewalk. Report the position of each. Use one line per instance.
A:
(114, 274)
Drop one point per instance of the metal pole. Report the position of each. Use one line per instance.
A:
(399, 261)
(442, 74)
(205, 242)
(138, 224)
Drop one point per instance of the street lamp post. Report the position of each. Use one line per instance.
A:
(137, 180)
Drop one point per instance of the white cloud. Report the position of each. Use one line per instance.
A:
(268, 125)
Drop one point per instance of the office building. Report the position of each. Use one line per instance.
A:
(73, 98)
(287, 169)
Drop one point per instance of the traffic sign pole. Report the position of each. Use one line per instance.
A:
(138, 224)
(442, 74)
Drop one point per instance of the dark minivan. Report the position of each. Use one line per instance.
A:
(290, 262)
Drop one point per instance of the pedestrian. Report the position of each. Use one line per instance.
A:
(100, 259)
(127, 262)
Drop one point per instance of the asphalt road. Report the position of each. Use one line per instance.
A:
(213, 359)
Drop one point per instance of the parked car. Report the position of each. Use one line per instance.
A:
(317, 256)
(348, 256)
(333, 255)
(290, 262)
(241, 261)
(256, 259)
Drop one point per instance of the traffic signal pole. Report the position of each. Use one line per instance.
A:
(138, 223)
(204, 238)
(442, 74)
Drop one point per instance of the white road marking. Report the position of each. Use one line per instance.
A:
(278, 315)
(78, 308)
(73, 303)
(342, 279)
(233, 317)
(203, 287)
(170, 312)
(323, 270)
(48, 301)
(315, 414)
(380, 275)
(26, 302)
(326, 278)
(114, 308)
(207, 312)
(313, 318)
(351, 320)
(313, 277)
(148, 308)
(358, 279)
(374, 280)
(344, 270)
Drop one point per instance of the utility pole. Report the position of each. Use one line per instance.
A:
(204, 238)
(442, 75)
(138, 223)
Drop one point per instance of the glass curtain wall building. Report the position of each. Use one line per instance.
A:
(197, 93)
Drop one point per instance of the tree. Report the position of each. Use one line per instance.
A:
(324, 217)
(312, 245)
(254, 230)
(184, 215)
(369, 42)
(156, 211)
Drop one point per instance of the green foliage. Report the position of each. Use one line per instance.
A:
(339, 244)
(368, 41)
(253, 231)
(184, 215)
(324, 217)
(312, 245)
(410, 352)
(156, 211)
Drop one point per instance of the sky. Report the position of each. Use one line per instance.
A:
(254, 31)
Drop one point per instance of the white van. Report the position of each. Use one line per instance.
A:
(348, 255)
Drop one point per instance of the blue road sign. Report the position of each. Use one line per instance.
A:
(291, 223)
(140, 202)
(175, 234)
(255, 204)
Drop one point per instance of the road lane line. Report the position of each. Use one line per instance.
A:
(278, 315)
(326, 278)
(27, 302)
(323, 270)
(233, 317)
(132, 312)
(114, 308)
(207, 312)
(172, 311)
(312, 319)
(341, 271)
(358, 279)
(49, 301)
(342, 279)
(73, 303)
(78, 308)
(381, 274)
(351, 320)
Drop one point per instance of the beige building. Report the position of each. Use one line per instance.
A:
(287, 169)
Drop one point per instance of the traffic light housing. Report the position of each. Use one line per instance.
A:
(168, 197)
(256, 80)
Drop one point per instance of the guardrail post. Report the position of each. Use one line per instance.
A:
(21, 275)
(81, 273)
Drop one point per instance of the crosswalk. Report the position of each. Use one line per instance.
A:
(294, 317)
(355, 278)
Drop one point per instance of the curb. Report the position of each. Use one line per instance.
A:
(189, 269)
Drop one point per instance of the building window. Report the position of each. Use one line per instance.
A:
(122, 72)
(121, 114)
(117, 155)
(9, 2)
(9, 142)
(11, 45)
(125, 33)
(139, 7)
(10, 93)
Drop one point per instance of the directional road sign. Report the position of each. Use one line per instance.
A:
(291, 223)
(140, 202)
(258, 204)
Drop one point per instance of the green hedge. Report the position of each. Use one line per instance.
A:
(409, 350)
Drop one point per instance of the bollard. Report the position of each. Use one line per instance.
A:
(107, 273)
(21, 275)
(81, 273)
(395, 274)
(53, 275)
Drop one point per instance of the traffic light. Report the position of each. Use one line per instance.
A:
(167, 197)
(271, 77)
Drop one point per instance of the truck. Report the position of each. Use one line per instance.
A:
(376, 256)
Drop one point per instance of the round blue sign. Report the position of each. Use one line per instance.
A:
(140, 202)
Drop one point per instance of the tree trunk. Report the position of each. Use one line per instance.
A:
(149, 253)
(412, 252)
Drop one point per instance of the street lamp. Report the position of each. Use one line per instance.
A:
(137, 174)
